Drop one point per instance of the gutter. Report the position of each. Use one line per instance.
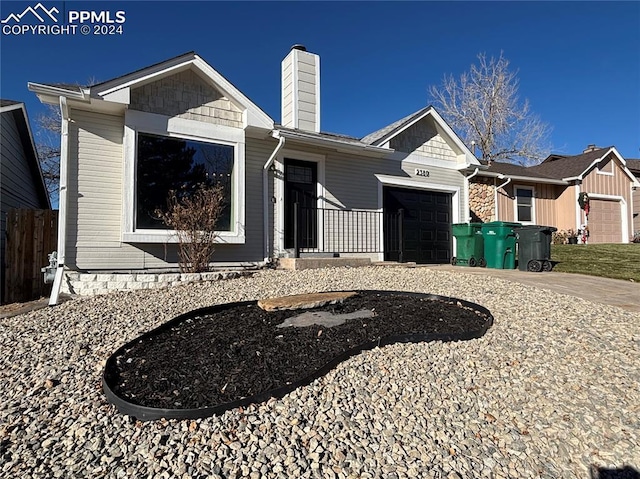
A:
(62, 200)
(466, 191)
(265, 195)
(533, 179)
(495, 192)
(336, 144)
(51, 90)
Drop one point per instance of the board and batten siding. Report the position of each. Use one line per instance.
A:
(95, 207)
(617, 184)
(545, 197)
(566, 208)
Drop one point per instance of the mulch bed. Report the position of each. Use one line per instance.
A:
(206, 358)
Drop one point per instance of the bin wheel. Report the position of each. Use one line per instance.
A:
(473, 262)
(454, 261)
(547, 266)
(482, 263)
(534, 265)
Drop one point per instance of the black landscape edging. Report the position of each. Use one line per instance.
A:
(146, 413)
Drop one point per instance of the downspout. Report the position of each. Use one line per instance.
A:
(62, 201)
(265, 198)
(466, 191)
(495, 193)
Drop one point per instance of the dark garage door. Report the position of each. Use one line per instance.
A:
(427, 224)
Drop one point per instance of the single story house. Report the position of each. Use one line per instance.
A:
(22, 184)
(291, 188)
(548, 193)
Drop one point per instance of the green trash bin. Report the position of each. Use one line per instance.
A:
(469, 244)
(534, 247)
(500, 244)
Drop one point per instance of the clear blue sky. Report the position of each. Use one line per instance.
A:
(578, 62)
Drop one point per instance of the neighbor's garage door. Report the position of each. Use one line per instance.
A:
(605, 221)
(427, 224)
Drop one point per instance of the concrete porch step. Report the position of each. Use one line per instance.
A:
(315, 263)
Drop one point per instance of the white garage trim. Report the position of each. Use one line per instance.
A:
(623, 212)
(411, 183)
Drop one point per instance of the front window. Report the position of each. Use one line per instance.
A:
(181, 165)
(524, 202)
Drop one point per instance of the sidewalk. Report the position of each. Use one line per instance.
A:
(615, 292)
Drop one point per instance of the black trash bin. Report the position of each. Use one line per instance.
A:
(534, 247)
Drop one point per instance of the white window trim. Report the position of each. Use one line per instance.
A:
(606, 173)
(533, 204)
(279, 190)
(137, 121)
(416, 184)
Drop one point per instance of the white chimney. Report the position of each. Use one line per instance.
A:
(301, 90)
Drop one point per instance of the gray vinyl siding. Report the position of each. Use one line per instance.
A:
(94, 198)
(95, 209)
(300, 79)
(20, 187)
(351, 183)
(287, 91)
(19, 182)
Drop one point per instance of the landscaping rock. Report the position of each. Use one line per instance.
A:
(304, 301)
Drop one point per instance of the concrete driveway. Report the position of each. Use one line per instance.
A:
(615, 292)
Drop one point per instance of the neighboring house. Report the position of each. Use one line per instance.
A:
(547, 194)
(133, 138)
(634, 167)
(22, 184)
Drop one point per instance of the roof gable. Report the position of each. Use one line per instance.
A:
(563, 168)
(118, 90)
(386, 134)
(18, 110)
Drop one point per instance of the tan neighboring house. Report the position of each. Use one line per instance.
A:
(634, 167)
(547, 194)
(291, 189)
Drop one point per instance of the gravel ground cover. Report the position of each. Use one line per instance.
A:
(550, 391)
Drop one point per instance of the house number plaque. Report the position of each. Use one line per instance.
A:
(420, 172)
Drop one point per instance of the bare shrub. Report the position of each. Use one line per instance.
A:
(194, 218)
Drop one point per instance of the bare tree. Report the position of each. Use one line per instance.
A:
(48, 146)
(194, 218)
(484, 109)
(48, 149)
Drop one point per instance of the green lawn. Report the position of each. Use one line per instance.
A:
(619, 261)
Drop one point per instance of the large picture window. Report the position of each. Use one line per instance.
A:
(169, 163)
(524, 204)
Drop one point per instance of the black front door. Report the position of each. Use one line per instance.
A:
(300, 186)
(426, 224)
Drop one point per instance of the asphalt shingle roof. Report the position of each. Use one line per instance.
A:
(569, 166)
(634, 166)
(512, 169)
(4, 103)
(554, 167)
(376, 136)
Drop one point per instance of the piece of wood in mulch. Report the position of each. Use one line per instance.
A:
(238, 352)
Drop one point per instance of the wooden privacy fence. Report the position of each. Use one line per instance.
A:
(31, 236)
